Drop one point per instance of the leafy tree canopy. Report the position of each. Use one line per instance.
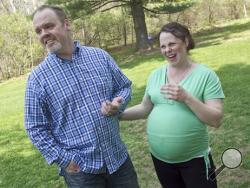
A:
(135, 8)
(80, 8)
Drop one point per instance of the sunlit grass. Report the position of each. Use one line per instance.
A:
(226, 50)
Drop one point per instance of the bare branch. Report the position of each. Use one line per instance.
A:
(101, 4)
(113, 7)
(154, 11)
(5, 7)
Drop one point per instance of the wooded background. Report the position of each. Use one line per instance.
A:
(107, 24)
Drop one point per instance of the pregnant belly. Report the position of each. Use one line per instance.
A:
(175, 149)
(175, 134)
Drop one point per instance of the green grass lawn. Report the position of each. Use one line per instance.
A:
(225, 49)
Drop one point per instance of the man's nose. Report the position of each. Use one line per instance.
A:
(43, 33)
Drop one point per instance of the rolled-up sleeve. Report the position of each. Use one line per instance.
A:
(121, 84)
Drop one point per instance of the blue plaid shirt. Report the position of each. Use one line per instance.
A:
(63, 110)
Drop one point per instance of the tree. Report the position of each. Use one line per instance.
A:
(20, 6)
(136, 8)
(19, 49)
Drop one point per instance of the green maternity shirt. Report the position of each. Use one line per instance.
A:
(175, 134)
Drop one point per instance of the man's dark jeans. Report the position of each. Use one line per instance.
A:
(124, 177)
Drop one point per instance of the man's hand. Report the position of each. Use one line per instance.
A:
(110, 108)
(73, 167)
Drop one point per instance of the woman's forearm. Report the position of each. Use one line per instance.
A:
(140, 111)
(209, 112)
(135, 112)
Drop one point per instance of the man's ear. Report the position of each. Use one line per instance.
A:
(67, 24)
(186, 41)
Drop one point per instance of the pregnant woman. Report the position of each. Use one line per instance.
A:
(181, 100)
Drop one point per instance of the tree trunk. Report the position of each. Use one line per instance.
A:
(132, 32)
(140, 28)
(13, 8)
(34, 4)
(124, 27)
(125, 33)
(245, 8)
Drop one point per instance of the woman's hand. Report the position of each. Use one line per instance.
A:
(209, 111)
(174, 92)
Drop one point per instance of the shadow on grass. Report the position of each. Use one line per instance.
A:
(22, 166)
(129, 59)
(235, 79)
(234, 131)
(20, 171)
(138, 59)
(214, 35)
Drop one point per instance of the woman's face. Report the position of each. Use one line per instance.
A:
(173, 48)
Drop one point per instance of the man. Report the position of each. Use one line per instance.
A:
(72, 102)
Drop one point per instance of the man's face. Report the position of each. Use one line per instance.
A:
(51, 32)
